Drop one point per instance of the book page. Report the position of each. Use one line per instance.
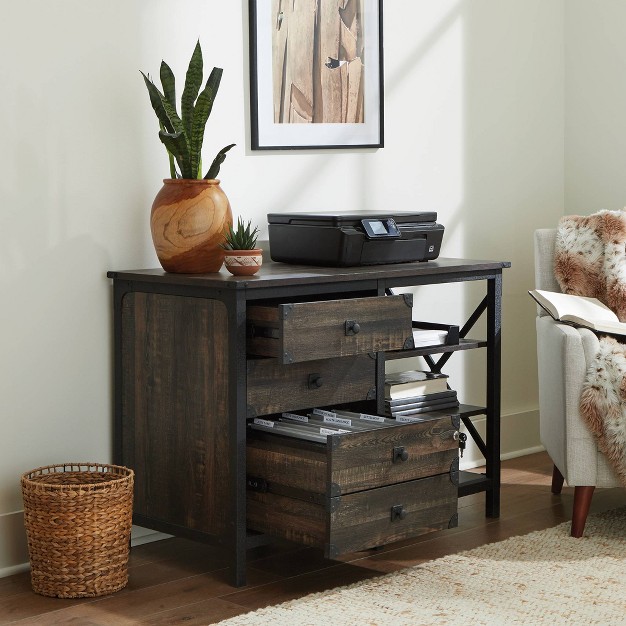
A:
(569, 307)
(615, 328)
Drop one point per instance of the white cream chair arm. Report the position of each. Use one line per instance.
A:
(563, 355)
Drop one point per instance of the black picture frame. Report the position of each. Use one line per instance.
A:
(344, 107)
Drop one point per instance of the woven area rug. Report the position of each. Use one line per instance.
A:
(545, 577)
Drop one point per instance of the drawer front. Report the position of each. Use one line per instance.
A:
(361, 520)
(274, 388)
(376, 458)
(379, 516)
(319, 330)
(356, 461)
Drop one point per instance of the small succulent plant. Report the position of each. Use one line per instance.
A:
(242, 237)
(183, 135)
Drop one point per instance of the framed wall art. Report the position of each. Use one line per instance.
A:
(316, 74)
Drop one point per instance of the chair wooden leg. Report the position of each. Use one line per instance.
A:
(582, 502)
(557, 480)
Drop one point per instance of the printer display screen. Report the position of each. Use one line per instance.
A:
(380, 228)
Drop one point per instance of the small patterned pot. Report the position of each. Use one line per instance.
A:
(243, 262)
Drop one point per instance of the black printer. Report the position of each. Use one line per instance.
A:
(354, 237)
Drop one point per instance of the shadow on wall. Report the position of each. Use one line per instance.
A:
(487, 155)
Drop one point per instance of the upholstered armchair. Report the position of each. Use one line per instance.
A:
(563, 355)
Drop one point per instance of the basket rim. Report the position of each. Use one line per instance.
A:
(76, 467)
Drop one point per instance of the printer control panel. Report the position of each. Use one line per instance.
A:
(380, 228)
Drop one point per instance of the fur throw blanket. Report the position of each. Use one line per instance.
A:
(590, 260)
(603, 403)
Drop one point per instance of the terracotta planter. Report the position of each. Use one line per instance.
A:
(187, 221)
(243, 262)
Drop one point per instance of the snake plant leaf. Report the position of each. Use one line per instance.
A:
(179, 130)
(172, 115)
(193, 82)
(217, 162)
(168, 80)
(170, 158)
(201, 113)
(156, 100)
(176, 144)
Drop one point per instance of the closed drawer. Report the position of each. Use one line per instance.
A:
(319, 330)
(274, 388)
(359, 489)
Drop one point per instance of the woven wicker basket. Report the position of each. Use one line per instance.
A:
(78, 518)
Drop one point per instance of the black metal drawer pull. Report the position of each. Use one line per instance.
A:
(256, 484)
(397, 512)
(352, 327)
(400, 454)
(315, 381)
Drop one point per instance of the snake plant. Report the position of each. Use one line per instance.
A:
(183, 134)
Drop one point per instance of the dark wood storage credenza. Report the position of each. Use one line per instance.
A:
(198, 356)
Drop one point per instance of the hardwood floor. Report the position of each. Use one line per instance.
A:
(178, 581)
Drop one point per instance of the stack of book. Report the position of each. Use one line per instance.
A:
(434, 334)
(414, 392)
(432, 337)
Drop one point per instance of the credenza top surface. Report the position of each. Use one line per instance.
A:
(274, 274)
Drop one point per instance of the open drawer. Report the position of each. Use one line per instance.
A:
(308, 331)
(359, 489)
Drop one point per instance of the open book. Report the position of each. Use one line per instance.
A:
(579, 311)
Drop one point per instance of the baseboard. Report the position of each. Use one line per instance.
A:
(15, 569)
(13, 547)
(519, 436)
(141, 535)
(518, 453)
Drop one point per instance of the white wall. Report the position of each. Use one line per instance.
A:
(474, 131)
(595, 95)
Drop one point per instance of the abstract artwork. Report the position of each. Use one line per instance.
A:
(316, 73)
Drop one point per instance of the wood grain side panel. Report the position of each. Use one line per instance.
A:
(259, 314)
(263, 346)
(274, 388)
(175, 408)
(295, 520)
(286, 465)
(363, 520)
(366, 460)
(263, 330)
